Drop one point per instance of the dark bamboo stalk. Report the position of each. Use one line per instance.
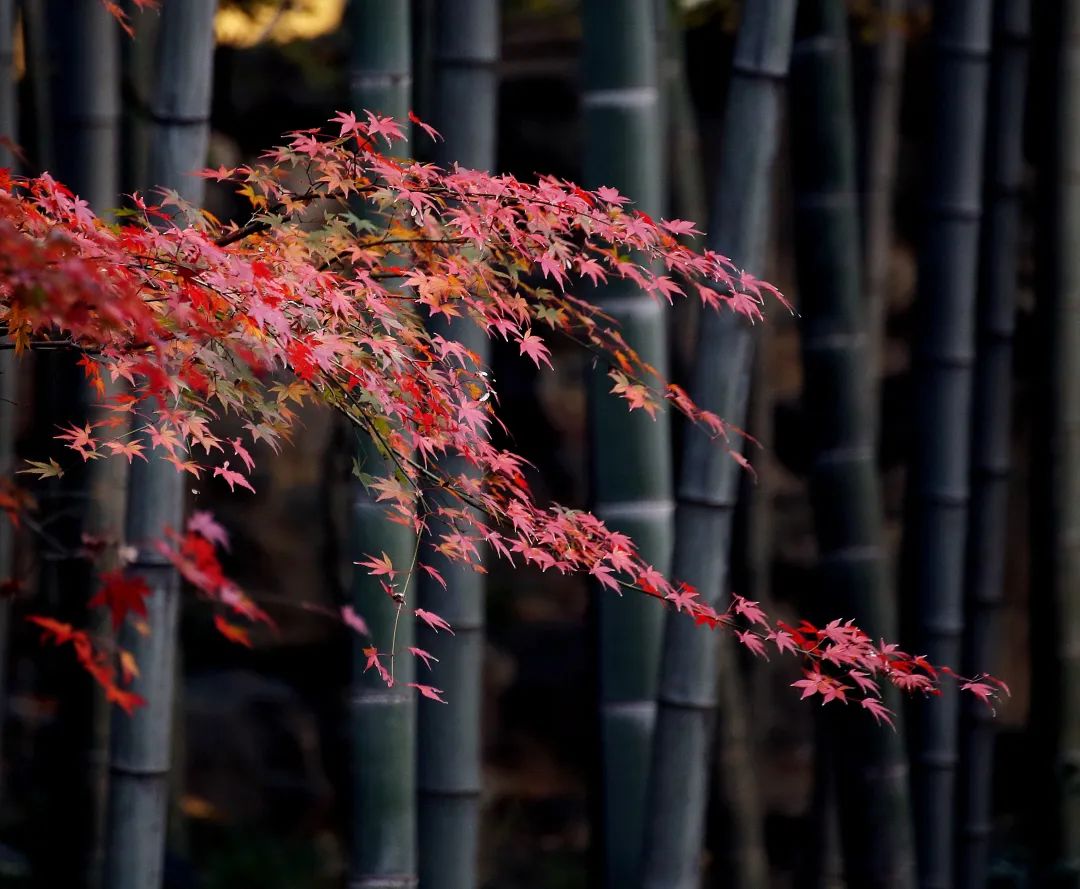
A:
(690, 687)
(1055, 541)
(84, 58)
(79, 54)
(8, 389)
(877, 177)
(136, 86)
(988, 538)
(384, 826)
(9, 109)
(868, 763)
(682, 166)
(141, 745)
(630, 491)
(938, 486)
(464, 100)
(38, 74)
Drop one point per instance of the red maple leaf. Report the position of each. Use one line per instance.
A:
(121, 594)
(125, 700)
(53, 630)
(232, 632)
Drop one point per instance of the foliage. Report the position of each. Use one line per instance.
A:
(324, 295)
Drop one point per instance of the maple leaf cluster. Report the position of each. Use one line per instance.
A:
(326, 294)
(111, 666)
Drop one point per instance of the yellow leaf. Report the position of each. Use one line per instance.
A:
(128, 666)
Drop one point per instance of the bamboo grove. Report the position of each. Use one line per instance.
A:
(388, 272)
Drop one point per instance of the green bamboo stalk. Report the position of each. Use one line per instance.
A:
(868, 763)
(631, 492)
(141, 745)
(690, 685)
(878, 155)
(384, 828)
(988, 538)
(464, 99)
(1055, 546)
(384, 825)
(938, 486)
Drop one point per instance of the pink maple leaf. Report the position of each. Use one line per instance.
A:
(752, 641)
(433, 620)
(534, 347)
(232, 477)
(879, 711)
(354, 621)
(203, 523)
(428, 691)
(750, 610)
(683, 597)
(783, 641)
(426, 656)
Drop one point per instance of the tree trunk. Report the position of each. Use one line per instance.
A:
(384, 823)
(988, 538)
(141, 745)
(1055, 588)
(464, 100)
(868, 762)
(938, 484)
(691, 687)
(630, 453)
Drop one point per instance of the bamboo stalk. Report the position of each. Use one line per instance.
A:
(938, 486)
(690, 685)
(877, 177)
(8, 381)
(868, 763)
(141, 745)
(136, 83)
(38, 75)
(464, 100)
(630, 492)
(384, 824)
(9, 108)
(78, 57)
(84, 55)
(991, 421)
(1055, 546)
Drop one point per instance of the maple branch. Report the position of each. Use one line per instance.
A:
(252, 228)
(393, 636)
